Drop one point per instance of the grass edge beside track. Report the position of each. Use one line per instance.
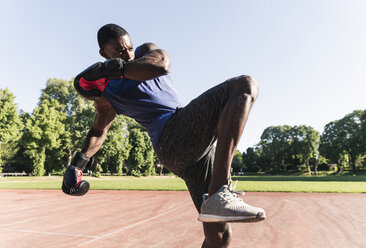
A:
(247, 183)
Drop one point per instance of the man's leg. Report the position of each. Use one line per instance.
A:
(185, 145)
(198, 179)
(217, 235)
(243, 91)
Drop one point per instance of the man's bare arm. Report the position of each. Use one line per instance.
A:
(154, 62)
(98, 132)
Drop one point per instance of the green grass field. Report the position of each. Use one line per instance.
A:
(334, 184)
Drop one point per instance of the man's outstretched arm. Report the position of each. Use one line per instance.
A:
(72, 183)
(151, 62)
(98, 132)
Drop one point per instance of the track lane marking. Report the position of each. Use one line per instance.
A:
(28, 212)
(48, 233)
(133, 225)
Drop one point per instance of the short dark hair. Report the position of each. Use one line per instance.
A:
(108, 32)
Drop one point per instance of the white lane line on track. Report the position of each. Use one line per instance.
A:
(21, 181)
(133, 225)
(40, 203)
(47, 233)
(23, 221)
(38, 207)
(48, 213)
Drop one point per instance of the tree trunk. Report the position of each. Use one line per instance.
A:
(308, 166)
(70, 157)
(316, 168)
(119, 167)
(38, 162)
(339, 167)
(161, 169)
(352, 163)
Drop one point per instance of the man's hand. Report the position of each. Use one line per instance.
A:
(72, 183)
(91, 82)
(110, 69)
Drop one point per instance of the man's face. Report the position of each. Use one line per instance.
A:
(120, 47)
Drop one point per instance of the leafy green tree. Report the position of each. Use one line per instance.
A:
(62, 91)
(116, 147)
(329, 147)
(10, 126)
(350, 136)
(319, 161)
(136, 157)
(344, 136)
(275, 145)
(148, 166)
(80, 114)
(141, 158)
(363, 138)
(21, 161)
(149, 157)
(42, 132)
(286, 147)
(237, 163)
(305, 143)
(254, 160)
(361, 162)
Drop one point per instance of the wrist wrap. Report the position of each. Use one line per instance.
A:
(80, 160)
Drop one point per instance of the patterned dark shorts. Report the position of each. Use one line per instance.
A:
(186, 145)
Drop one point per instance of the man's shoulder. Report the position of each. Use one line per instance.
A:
(163, 78)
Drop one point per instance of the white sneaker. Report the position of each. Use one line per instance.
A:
(226, 206)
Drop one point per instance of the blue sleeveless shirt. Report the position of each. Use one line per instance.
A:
(151, 103)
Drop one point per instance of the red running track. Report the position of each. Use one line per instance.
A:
(49, 218)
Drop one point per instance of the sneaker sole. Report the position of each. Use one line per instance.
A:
(217, 218)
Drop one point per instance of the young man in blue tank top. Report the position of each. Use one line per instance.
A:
(137, 84)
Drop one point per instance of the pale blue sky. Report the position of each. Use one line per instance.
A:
(309, 57)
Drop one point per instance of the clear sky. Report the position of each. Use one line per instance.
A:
(308, 56)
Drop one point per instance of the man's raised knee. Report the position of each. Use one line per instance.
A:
(245, 84)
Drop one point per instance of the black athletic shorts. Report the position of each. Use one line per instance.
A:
(186, 144)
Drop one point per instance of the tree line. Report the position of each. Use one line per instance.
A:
(45, 140)
(301, 148)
